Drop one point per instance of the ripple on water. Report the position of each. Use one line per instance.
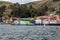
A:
(8, 32)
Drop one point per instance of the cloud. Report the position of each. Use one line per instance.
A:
(20, 1)
(26, 1)
(4, 0)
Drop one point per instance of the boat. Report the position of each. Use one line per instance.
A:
(53, 20)
(48, 23)
(36, 22)
(53, 24)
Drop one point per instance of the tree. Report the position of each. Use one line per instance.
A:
(32, 11)
(2, 9)
(15, 9)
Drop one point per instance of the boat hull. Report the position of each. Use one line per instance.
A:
(49, 24)
(54, 24)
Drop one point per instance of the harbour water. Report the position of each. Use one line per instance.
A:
(16, 32)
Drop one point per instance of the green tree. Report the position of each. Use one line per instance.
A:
(2, 9)
(15, 9)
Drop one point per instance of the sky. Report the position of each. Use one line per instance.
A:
(20, 1)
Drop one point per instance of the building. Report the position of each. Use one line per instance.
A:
(49, 19)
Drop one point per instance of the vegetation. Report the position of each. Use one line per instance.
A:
(32, 9)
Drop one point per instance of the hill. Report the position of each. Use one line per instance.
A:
(32, 9)
(51, 5)
(5, 3)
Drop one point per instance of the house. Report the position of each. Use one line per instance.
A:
(48, 19)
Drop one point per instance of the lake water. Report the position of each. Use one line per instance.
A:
(15, 32)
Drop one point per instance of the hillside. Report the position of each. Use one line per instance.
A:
(49, 3)
(32, 9)
(40, 5)
(5, 3)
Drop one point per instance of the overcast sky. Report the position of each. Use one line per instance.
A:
(20, 1)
